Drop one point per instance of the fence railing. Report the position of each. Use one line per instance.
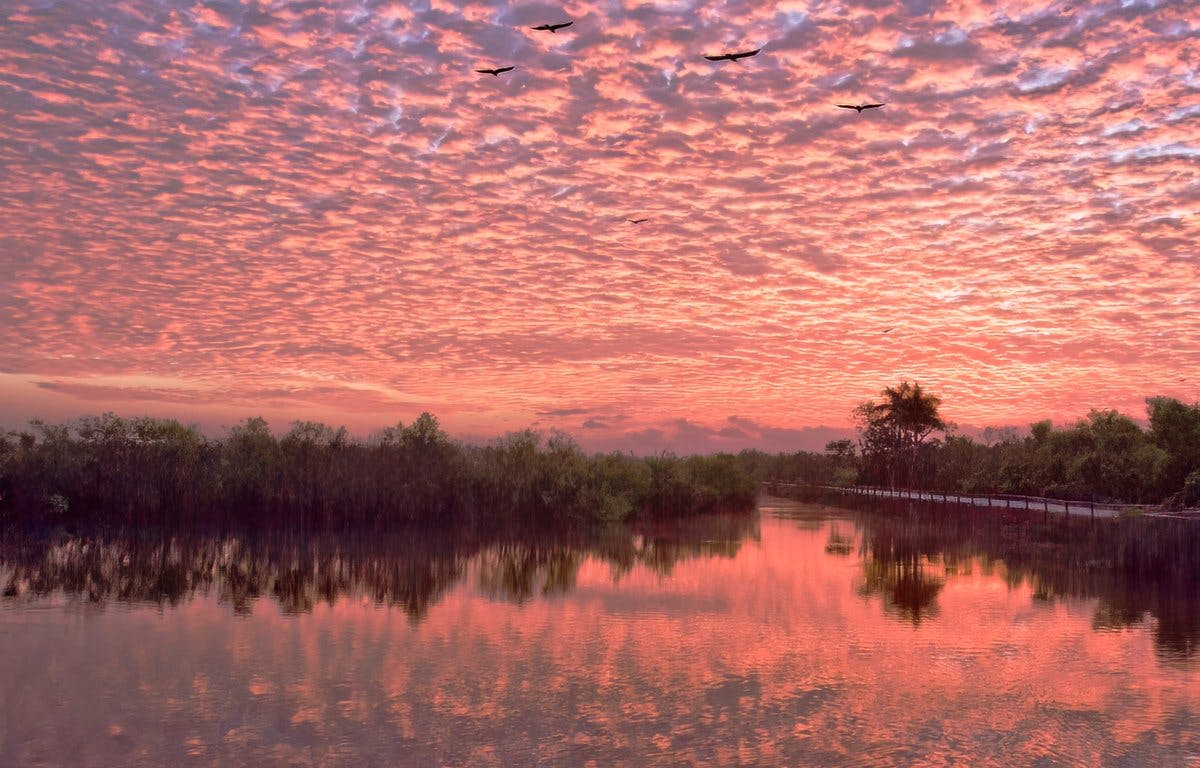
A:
(991, 501)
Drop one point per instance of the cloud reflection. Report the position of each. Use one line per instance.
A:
(685, 646)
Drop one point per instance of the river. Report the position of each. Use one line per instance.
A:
(802, 635)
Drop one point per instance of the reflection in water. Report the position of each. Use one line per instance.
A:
(1136, 568)
(411, 570)
(811, 637)
(839, 543)
(518, 573)
(907, 589)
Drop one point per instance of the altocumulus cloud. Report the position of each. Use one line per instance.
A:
(322, 203)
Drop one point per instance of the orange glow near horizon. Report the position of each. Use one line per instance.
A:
(320, 211)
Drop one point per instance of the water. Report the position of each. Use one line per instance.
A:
(803, 636)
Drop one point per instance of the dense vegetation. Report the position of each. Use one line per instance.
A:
(146, 470)
(153, 470)
(1105, 457)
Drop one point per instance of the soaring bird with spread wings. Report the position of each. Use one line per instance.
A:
(733, 56)
(552, 27)
(495, 71)
(860, 107)
(636, 221)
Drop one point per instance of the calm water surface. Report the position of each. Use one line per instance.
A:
(803, 636)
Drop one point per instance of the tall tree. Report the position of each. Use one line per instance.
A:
(893, 433)
(1175, 427)
(1118, 462)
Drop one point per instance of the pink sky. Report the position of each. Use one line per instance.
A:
(316, 210)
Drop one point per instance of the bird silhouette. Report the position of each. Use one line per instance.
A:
(887, 330)
(636, 221)
(860, 107)
(733, 56)
(552, 27)
(495, 71)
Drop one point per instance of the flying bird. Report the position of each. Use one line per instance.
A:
(495, 71)
(887, 330)
(860, 107)
(636, 221)
(552, 27)
(733, 56)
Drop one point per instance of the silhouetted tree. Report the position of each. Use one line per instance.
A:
(1175, 428)
(893, 432)
(1118, 462)
(842, 455)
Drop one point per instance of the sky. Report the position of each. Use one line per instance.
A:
(318, 210)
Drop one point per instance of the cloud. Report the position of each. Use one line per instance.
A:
(744, 263)
(1044, 80)
(289, 201)
(1154, 152)
(683, 436)
(818, 257)
(951, 44)
(564, 412)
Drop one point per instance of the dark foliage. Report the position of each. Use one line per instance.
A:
(1106, 457)
(147, 471)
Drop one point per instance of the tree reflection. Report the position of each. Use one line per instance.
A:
(906, 588)
(517, 573)
(1136, 568)
(839, 543)
(411, 569)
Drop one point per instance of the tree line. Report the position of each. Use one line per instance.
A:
(903, 441)
(143, 470)
(148, 470)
